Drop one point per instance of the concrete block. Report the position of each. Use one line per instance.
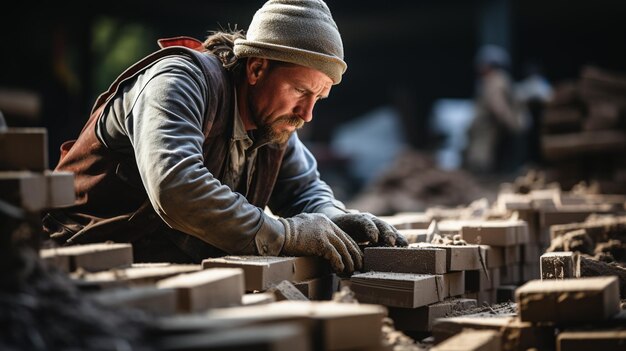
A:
(568, 300)
(319, 288)
(24, 149)
(398, 289)
(479, 280)
(209, 288)
(472, 340)
(275, 337)
(405, 260)
(60, 189)
(458, 257)
(138, 274)
(494, 255)
(24, 189)
(413, 236)
(494, 233)
(285, 290)
(560, 265)
(93, 257)
(161, 302)
(516, 335)
(584, 340)
(423, 318)
(453, 283)
(258, 299)
(510, 274)
(263, 272)
(334, 326)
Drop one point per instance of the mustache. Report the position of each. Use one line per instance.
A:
(291, 120)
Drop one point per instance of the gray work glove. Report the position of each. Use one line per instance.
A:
(365, 227)
(314, 234)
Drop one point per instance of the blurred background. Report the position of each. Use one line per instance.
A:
(395, 134)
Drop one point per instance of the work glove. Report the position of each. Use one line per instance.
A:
(314, 234)
(365, 227)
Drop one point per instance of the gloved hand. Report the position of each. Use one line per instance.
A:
(314, 234)
(363, 227)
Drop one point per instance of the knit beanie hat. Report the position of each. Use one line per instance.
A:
(296, 31)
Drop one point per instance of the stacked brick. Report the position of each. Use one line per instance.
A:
(27, 186)
(552, 314)
(240, 293)
(583, 134)
(418, 284)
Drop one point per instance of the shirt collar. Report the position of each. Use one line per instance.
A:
(239, 130)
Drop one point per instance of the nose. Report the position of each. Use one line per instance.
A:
(304, 110)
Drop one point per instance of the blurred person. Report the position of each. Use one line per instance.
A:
(496, 136)
(188, 146)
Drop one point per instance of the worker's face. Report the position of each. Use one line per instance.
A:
(282, 96)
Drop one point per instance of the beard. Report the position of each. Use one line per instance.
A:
(270, 132)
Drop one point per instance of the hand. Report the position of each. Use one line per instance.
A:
(365, 227)
(314, 234)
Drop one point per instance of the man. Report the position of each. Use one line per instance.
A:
(185, 150)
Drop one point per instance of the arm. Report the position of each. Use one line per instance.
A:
(300, 189)
(164, 125)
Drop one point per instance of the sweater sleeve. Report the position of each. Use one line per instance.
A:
(163, 122)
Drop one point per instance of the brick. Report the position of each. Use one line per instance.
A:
(568, 300)
(257, 298)
(472, 340)
(209, 288)
(24, 149)
(414, 235)
(453, 283)
(150, 299)
(334, 326)
(405, 260)
(285, 290)
(93, 257)
(279, 337)
(531, 253)
(60, 189)
(458, 257)
(263, 272)
(494, 255)
(510, 274)
(319, 288)
(559, 265)
(397, 289)
(570, 214)
(478, 280)
(24, 189)
(138, 274)
(494, 233)
(516, 335)
(512, 255)
(423, 318)
(605, 340)
(529, 271)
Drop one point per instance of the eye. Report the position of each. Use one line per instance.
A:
(300, 90)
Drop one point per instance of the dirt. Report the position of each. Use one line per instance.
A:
(487, 311)
(591, 267)
(45, 311)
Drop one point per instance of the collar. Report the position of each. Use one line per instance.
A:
(239, 131)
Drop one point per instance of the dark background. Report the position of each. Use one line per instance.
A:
(64, 56)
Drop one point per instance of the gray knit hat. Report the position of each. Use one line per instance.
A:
(297, 31)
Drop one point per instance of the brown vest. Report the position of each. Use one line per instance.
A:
(111, 202)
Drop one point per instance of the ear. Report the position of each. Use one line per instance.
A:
(255, 68)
